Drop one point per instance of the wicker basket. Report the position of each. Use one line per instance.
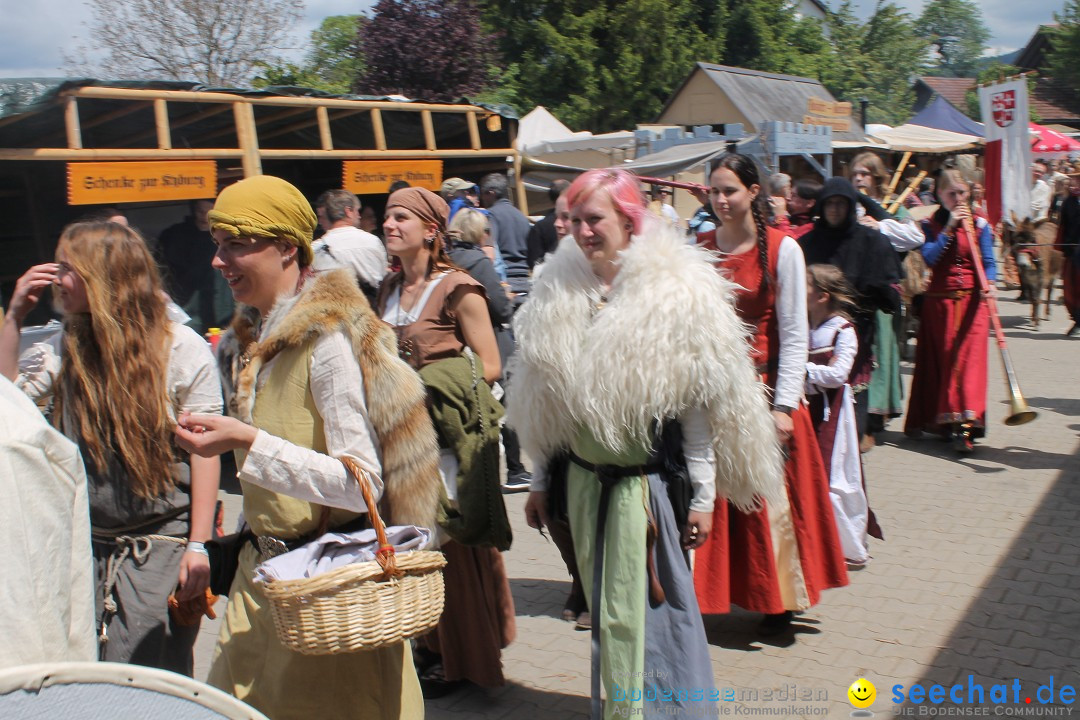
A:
(362, 606)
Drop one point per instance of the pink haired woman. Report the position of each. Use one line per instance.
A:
(627, 360)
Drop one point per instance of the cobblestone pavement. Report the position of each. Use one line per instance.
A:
(978, 575)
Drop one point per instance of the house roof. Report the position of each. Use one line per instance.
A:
(952, 89)
(1033, 55)
(762, 96)
(1054, 104)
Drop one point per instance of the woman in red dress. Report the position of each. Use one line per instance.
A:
(779, 559)
(948, 390)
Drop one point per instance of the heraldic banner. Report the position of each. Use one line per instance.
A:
(1008, 149)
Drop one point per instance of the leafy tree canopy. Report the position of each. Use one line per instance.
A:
(333, 62)
(958, 31)
(426, 49)
(1064, 55)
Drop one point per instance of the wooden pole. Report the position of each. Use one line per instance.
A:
(161, 124)
(71, 123)
(377, 128)
(474, 131)
(429, 129)
(324, 128)
(244, 115)
(896, 175)
(907, 191)
(67, 154)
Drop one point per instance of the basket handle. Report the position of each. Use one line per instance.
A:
(385, 553)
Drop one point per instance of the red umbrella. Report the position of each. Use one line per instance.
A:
(1050, 142)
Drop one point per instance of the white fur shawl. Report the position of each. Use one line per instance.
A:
(668, 339)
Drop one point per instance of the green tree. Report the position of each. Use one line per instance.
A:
(1064, 55)
(596, 65)
(877, 60)
(332, 63)
(956, 28)
(991, 74)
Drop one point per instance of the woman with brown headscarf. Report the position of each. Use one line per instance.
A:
(444, 331)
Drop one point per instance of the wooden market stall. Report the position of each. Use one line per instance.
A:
(150, 146)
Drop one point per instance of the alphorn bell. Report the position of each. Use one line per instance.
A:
(1019, 411)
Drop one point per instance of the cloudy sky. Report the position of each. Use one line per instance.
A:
(32, 35)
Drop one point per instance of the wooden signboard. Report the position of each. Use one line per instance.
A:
(373, 177)
(111, 183)
(827, 108)
(836, 115)
(837, 124)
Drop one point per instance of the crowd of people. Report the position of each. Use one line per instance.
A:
(709, 395)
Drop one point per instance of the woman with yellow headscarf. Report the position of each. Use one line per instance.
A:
(315, 378)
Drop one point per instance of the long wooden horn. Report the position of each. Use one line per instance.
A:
(1019, 411)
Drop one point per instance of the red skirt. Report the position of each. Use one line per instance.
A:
(737, 564)
(949, 384)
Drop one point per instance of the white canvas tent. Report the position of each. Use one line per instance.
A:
(913, 138)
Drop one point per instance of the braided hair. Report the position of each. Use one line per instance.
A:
(745, 169)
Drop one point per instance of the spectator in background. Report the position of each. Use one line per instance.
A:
(660, 204)
(779, 195)
(795, 217)
(397, 185)
(1041, 193)
(456, 192)
(509, 231)
(185, 251)
(926, 192)
(344, 244)
(543, 238)
(369, 221)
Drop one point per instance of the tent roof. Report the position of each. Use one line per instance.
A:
(920, 139)
(676, 159)
(1052, 143)
(541, 133)
(942, 115)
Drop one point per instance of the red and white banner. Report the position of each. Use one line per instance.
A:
(1008, 149)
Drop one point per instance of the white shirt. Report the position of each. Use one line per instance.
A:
(845, 344)
(337, 389)
(191, 376)
(1040, 199)
(48, 573)
(351, 248)
(903, 234)
(794, 328)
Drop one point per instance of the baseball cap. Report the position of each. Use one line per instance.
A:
(452, 185)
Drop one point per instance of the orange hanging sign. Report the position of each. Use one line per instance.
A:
(108, 183)
(373, 177)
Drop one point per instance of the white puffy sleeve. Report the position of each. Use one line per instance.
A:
(700, 458)
(192, 375)
(793, 324)
(837, 371)
(338, 390)
(904, 235)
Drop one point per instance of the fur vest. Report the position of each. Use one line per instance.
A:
(667, 339)
(394, 393)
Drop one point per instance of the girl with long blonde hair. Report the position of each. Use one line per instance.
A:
(115, 381)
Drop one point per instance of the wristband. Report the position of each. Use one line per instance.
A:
(197, 547)
(786, 409)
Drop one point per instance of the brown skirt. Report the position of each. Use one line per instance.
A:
(478, 621)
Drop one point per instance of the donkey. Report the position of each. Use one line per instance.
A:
(1031, 244)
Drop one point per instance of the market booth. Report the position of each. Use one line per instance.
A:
(150, 147)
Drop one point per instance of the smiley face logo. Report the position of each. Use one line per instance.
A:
(862, 693)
